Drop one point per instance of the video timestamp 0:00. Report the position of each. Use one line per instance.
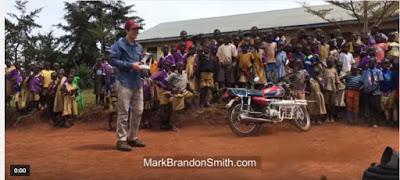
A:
(20, 170)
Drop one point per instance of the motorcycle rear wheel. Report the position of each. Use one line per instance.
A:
(302, 118)
(235, 123)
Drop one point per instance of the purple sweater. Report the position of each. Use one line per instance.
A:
(160, 78)
(35, 84)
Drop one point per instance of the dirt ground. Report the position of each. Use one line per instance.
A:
(87, 150)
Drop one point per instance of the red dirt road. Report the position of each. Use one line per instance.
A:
(87, 150)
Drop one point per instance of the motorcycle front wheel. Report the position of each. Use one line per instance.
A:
(302, 118)
(240, 128)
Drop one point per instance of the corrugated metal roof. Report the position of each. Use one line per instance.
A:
(263, 20)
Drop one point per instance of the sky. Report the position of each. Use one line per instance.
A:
(159, 11)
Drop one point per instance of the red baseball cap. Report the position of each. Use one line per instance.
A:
(132, 24)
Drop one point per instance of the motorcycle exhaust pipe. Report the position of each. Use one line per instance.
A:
(245, 118)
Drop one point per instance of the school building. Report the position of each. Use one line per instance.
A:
(291, 20)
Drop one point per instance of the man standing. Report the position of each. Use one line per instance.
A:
(125, 54)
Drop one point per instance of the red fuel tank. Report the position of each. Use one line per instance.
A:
(273, 92)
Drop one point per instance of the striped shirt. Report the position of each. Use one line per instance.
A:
(353, 82)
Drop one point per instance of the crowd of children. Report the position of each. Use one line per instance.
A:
(43, 87)
(337, 74)
(342, 77)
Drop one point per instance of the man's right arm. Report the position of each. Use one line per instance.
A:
(115, 58)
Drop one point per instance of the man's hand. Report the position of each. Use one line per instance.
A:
(136, 66)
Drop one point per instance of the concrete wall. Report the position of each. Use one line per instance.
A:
(159, 46)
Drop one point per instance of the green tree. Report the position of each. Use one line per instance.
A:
(44, 47)
(91, 22)
(78, 41)
(19, 34)
(365, 12)
(109, 17)
(9, 41)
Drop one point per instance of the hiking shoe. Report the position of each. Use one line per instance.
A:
(136, 143)
(123, 146)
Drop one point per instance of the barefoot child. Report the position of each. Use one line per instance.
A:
(205, 70)
(9, 83)
(35, 84)
(340, 91)
(299, 78)
(166, 57)
(388, 89)
(59, 98)
(331, 78)
(190, 67)
(317, 108)
(309, 60)
(51, 93)
(22, 95)
(245, 64)
(99, 81)
(112, 97)
(281, 61)
(70, 91)
(353, 85)
(180, 54)
(381, 47)
(15, 79)
(79, 98)
(181, 91)
(371, 78)
(163, 94)
(323, 50)
(346, 59)
(270, 49)
(259, 65)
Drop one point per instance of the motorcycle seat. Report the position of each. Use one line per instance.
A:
(243, 92)
(253, 92)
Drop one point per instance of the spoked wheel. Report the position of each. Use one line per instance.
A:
(302, 118)
(239, 127)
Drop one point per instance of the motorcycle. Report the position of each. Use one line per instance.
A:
(248, 109)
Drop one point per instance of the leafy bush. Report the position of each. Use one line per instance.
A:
(85, 73)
